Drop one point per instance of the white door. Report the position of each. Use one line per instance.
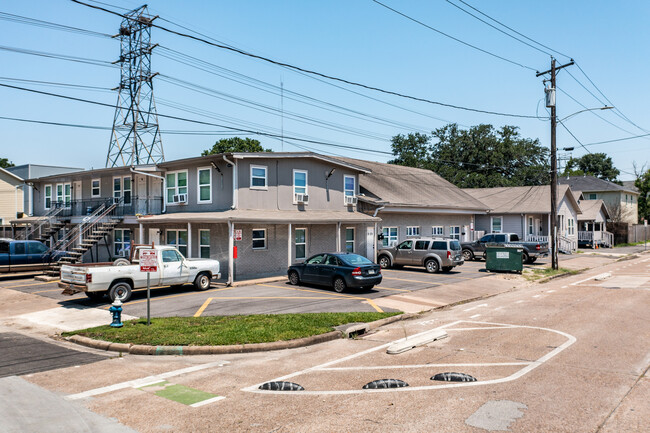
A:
(154, 236)
(174, 269)
(370, 243)
(538, 226)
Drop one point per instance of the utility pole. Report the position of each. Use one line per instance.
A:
(550, 102)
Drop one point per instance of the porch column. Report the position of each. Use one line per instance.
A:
(550, 236)
(189, 240)
(375, 244)
(289, 246)
(141, 234)
(231, 264)
(338, 236)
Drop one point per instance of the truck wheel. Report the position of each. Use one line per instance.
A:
(468, 255)
(202, 281)
(432, 266)
(339, 285)
(294, 278)
(525, 258)
(384, 262)
(121, 291)
(121, 262)
(95, 296)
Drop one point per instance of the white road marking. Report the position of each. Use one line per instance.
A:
(385, 367)
(478, 306)
(519, 301)
(208, 401)
(475, 316)
(552, 291)
(527, 368)
(149, 380)
(536, 296)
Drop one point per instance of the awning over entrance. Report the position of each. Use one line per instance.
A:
(260, 216)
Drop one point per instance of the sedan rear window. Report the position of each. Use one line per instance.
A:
(355, 259)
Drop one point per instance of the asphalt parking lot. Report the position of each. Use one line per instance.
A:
(262, 298)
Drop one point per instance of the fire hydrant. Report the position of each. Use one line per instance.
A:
(116, 311)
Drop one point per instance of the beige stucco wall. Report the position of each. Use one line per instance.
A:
(615, 200)
(11, 198)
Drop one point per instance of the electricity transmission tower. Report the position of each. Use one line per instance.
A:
(135, 138)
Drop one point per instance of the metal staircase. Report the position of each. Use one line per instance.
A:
(48, 225)
(85, 235)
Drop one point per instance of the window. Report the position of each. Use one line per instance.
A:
(259, 179)
(94, 187)
(437, 231)
(48, 196)
(204, 244)
(390, 236)
(413, 231)
(121, 242)
(178, 238)
(454, 232)
(439, 245)
(349, 186)
(299, 183)
(496, 224)
(406, 245)
(500, 239)
(593, 196)
(259, 239)
(421, 245)
(64, 194)
(571, 229)
(301, 243)
(122, 188)
(204, 178)
(487, 239)
(169, 256)
(316, 260)
(349, 240)
(332, 261)
(36, 248)
(531, 226)
(176, 184)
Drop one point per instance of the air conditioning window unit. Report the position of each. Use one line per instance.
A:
(350, 200)
(180, 198)
(302, 198)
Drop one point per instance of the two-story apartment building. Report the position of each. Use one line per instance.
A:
(254, 212)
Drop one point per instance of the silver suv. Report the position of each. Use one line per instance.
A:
(434, 254)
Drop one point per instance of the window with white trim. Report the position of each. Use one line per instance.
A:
(178, 238)
(454, 232)
(299, 183)
(413, 231)
(593, 196)
(176, 184)
(349, 239)
(437, 231)
(48, 197)
(259, 177)
(390, 236)
(64, 194)
(301, 243)
(204, 244)
(349, 186)
(531, 226)
(259, 239)
(204, 185)
(571, 229)
(122, 188)
(95, 190)
(496, 224)
(121, 242)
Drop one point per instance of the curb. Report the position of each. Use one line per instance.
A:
(141, 349)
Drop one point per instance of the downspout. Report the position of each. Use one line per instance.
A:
(377, 211)
(234, 182)
(376, 233)
(164, 180)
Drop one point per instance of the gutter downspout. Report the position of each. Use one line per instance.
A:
(164, 180)
(376, 234)
(234, 182)
(377, 211)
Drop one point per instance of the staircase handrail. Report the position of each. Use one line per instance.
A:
(69, 237)
(45, 219)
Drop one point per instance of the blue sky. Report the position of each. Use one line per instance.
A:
(356, 40)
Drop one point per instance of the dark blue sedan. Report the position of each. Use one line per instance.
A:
(336, 270)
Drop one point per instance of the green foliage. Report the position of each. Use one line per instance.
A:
(235, 144)
(592, 164)
(642, 183)
(479, 157)
(5, 163)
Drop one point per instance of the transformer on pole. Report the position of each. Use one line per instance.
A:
(135, 138)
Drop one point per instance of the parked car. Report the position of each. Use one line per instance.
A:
(434, 254)
(532, 250)
(337, 270)
(120, 278)
(17, 256)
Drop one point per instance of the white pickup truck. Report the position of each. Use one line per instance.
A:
(120, 278)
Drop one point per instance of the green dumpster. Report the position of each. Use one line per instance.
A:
(504, 258)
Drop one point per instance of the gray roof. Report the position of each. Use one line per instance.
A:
(270, 216)
(629, 185)
(590, 209)
(520, 199)
(591, 184)
(399, 186)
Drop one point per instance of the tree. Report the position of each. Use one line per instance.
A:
(235, 144)
(5, 163)
(642, 183)
(479, 157)
(592, 164)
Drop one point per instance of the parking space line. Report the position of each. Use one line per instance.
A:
(372, 304)
(475, 316)
(412, 281)
(478, 306)
(384, 367)
(159, 298)
(390, 288)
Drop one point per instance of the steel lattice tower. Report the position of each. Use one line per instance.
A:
(135, 138)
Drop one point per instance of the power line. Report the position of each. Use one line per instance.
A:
(618, 139)
(86, 60)
(451, 37)
(308, 71)
(50, 25)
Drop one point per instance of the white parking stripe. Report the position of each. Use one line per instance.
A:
(475, 316)
(385, 367)
(208, 401)
(478, 306)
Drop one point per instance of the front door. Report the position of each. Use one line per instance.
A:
(404, 253)
(311, 272)
(154, 236)
(370, 243)
(174, 269)
(78, 205)
(538, 226)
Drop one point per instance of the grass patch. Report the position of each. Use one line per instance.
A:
(627, 244)
(224, 330)
(537, 273)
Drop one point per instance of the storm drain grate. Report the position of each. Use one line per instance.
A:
(385, 383)
(281, 386)
(454, 377)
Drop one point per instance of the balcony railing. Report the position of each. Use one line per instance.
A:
(131, 206)
(537, 238)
